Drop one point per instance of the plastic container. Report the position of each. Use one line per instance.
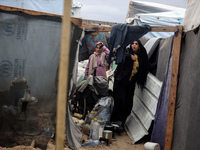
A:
(101, 128)
(107, 134)
(94, 130)
(111, 128)
(89, 117)
(86, 129)
(48, 131)
(91, 143)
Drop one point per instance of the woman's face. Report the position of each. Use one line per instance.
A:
(135, 46)
(98, 49)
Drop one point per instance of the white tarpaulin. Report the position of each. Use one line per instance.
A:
(192, 15)
(141, 7)
(154, 14)
(29, 48)
(50, 6)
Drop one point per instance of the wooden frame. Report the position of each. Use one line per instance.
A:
(173, 89)
(63, 76)
(104, 27)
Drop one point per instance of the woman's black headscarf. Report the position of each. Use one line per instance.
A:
(124, 69)
(143, 65)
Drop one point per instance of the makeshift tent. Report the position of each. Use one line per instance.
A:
(30, 48)
(186, 126)
(37, 61)
(52, 6)
(184, 133)
(191, 20)
(154, 14)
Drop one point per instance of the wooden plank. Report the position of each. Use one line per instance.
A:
(96, 22)
(87, 24)
(164, 28)
(75, 20)
(63, 76)
(173, 89)
(129, 13)
(97, 28)
(108, 28)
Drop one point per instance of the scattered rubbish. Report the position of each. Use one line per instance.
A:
(77, 115)
(78, 122)
(89, 117)
(86, 129)
(94, 130)
(107, 134)
(91, 143)
(103, 109)
(48, 132)
(104, 140)
(101, 128)
(151, 146)
(111, 128)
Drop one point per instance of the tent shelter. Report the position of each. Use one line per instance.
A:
(182, 131)
(53, 6)
(180, 127)
(154, 14)
(30, 48)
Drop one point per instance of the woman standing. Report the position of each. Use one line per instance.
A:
(98, 61)
(133, 70)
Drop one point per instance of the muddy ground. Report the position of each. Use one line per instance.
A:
(120, 142)
(17, 141)
(11, 140)
(12, 135)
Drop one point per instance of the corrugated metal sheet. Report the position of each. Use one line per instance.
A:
(144, 108)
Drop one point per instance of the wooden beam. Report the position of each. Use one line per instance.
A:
(95, 22)
(100, 26)
(173, 89)
(108, 28)
(96, 28)
(164, 28)
(63, 76)
(75, 20)
(129, 13)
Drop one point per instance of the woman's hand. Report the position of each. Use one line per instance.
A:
(133, 57)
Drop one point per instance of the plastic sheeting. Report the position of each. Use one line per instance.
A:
(30, 48)
(155, 14)
(192, 17)
(163, 56)
(50, 6)
(159, 128)
(141, 7)
(186, 132)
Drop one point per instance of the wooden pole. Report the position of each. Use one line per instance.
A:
(63, 76)
(173, 89)
(129, 13)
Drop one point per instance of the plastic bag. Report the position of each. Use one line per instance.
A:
(103, 109)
